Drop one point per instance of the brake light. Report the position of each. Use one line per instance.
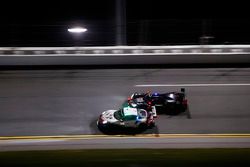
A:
(102, 120)
(185, 102)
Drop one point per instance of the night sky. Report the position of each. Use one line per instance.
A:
(149, 22)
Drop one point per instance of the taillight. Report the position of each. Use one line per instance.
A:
(185, 102)
(101, 118)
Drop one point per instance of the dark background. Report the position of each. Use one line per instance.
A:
(149, 22)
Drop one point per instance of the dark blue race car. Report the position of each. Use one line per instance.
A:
(169, 103)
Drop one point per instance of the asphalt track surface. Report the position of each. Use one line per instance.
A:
(58, 109)
(68, 102)
(74, 142)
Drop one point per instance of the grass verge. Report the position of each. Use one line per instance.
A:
(128, 157)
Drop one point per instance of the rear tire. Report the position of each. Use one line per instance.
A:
(151, 125)
(142, 126)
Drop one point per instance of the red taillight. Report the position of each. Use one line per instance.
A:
(101, 119)
(185, 102)
(149, 103)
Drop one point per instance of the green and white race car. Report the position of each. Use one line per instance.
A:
(130, 115)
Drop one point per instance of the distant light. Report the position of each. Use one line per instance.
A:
(77, 30)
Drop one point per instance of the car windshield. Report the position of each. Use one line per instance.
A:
(119, 115)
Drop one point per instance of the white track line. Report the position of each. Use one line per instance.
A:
(190, 85)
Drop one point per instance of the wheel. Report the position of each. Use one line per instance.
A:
(151, 125)
(142, 126)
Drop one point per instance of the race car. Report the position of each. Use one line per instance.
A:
(130, 115)
(169, 103)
